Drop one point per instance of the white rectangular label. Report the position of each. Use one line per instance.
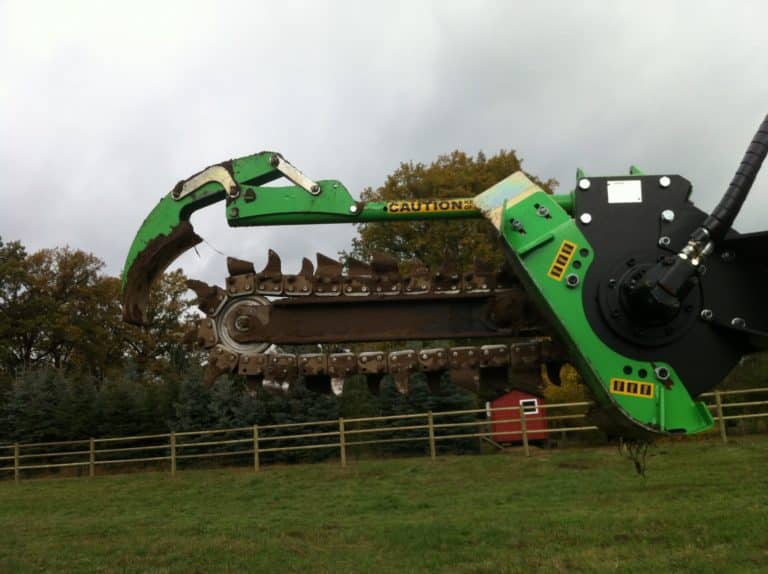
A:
(625, 191)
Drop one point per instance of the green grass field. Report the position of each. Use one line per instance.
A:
(702, 508)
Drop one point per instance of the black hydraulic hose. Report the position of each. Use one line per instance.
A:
(721, 219)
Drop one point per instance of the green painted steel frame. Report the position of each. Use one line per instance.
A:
(534, 226)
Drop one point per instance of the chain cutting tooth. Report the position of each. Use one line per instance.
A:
(207, 336)
(239, 267)
(209, 298)
(505, 277)
(433, 362)
(481, 279)
(241, 277)
(313, 367)
(301, 283)
(372, 364)
(252, 364)
(447, 279)
(386, 275)
(281, 368)
(418, 280)
(270, 280)
(402, 364)
(342, 364)
(328, 276)
(220, 361)
(464, 365)
(358, 279)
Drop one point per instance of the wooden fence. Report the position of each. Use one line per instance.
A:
(258, 442)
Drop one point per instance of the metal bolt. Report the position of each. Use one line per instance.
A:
(727, 256)
(572, 280)
(664, 181)
(353, 209)
(585, 218)
(516, 224)
(662, 373)
(315, 189)
(664, 241)
(738, 322)
(234, 212)
(543, 211)
(707, 314)
(668, 215)
(242, 323)
(584, 184)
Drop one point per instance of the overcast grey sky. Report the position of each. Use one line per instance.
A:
(105, 105)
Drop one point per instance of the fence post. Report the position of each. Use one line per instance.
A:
(173, 453)
(342, 443)
(720, 420)
(432, 449)
(92, 458)
(16, 473)
(524, 430)
(256, 448)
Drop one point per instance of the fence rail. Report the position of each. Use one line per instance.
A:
(337, 434)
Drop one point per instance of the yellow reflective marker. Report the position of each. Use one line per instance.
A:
(632, 388)
(562, 259)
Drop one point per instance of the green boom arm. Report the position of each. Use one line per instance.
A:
(167, 232)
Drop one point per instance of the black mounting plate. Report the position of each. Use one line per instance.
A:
(626, 219)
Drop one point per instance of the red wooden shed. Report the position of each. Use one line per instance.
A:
(535, 423)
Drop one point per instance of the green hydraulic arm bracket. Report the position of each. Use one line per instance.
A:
(167, 232)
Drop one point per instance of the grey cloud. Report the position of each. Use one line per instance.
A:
(105, 106)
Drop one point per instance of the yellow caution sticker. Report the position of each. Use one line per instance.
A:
(562, 260)
(632, 388)
(430, 205)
